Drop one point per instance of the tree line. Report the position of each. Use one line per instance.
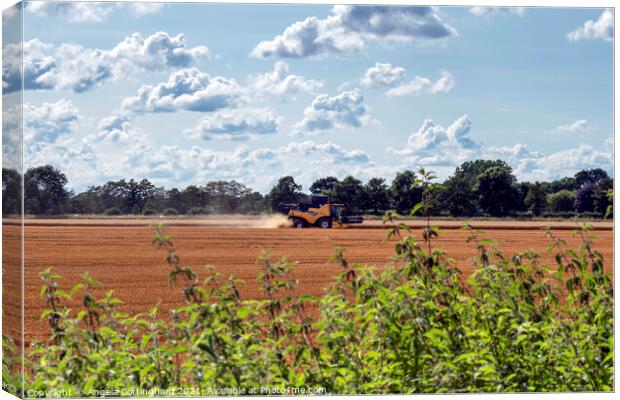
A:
(476, 188)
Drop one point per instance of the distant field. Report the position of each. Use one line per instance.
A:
(118, 252)
(280, 221)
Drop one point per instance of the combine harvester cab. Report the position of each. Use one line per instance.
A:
(322, 213)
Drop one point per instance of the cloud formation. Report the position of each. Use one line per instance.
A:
(383, 75)
(280, 83)
(11, 135)
(602, 28)
(74, 67)
(186, 89)
(88, 11)
(116, 128)
(258, 168)
(236, 124)
(491, 11)
(421, 84)
(347, 29)
(47, 122)
(77, 160)
(346, 110)
(443, 149)
(579, 125)
(71, 11)
(140, 8)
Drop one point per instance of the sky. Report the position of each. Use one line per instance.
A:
(187, 93)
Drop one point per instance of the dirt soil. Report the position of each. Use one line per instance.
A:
(122, 257)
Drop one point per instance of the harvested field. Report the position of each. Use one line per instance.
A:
(121, 256)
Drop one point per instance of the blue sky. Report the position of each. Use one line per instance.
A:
(255, 92)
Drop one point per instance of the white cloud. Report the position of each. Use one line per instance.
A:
(564, 163)
(280, 83)
(258, 168)
(116, 128)
(383, 75)
(140, 8)
(443, 149)
(312, 37)
(346, 110)
(433, 144)
(71, 66)
(444, 84)
(490, 11)
(71, 11)
(394, 23)
(47, 122)
(187, 89)
(88, 11)
(424, 85)
(11, 135)
(236, 124)
(602, 28)
(77, 160)
(346, 30)
(580, 125)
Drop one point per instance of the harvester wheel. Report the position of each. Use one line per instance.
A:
(324, 223)
(298, 223)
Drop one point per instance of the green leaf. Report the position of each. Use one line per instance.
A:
(416, 208)
(145, 341)
(243, 312)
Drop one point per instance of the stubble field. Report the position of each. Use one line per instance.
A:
(120, 255)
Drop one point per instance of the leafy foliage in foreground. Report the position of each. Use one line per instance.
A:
(515, 325)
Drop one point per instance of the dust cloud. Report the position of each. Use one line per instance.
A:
(272, 221)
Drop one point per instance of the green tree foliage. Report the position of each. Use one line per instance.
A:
(458, 196)
(601, 198)
(404, 192)
(377, 194)
(285, 191)
(253, 203)
(523, 188)
(175, 200)
(562, 201)
(536, 199)
(11, 191)
(324, 186)
(568, 183)
(584, 198)
(496, 191)
(129, 196)
(45, 192)
(592, 176)
(194, 196)
(350, 192)
(226, 197)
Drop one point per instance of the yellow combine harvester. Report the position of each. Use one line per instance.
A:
(320, 212)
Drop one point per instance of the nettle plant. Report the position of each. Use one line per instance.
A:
(416, 325)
